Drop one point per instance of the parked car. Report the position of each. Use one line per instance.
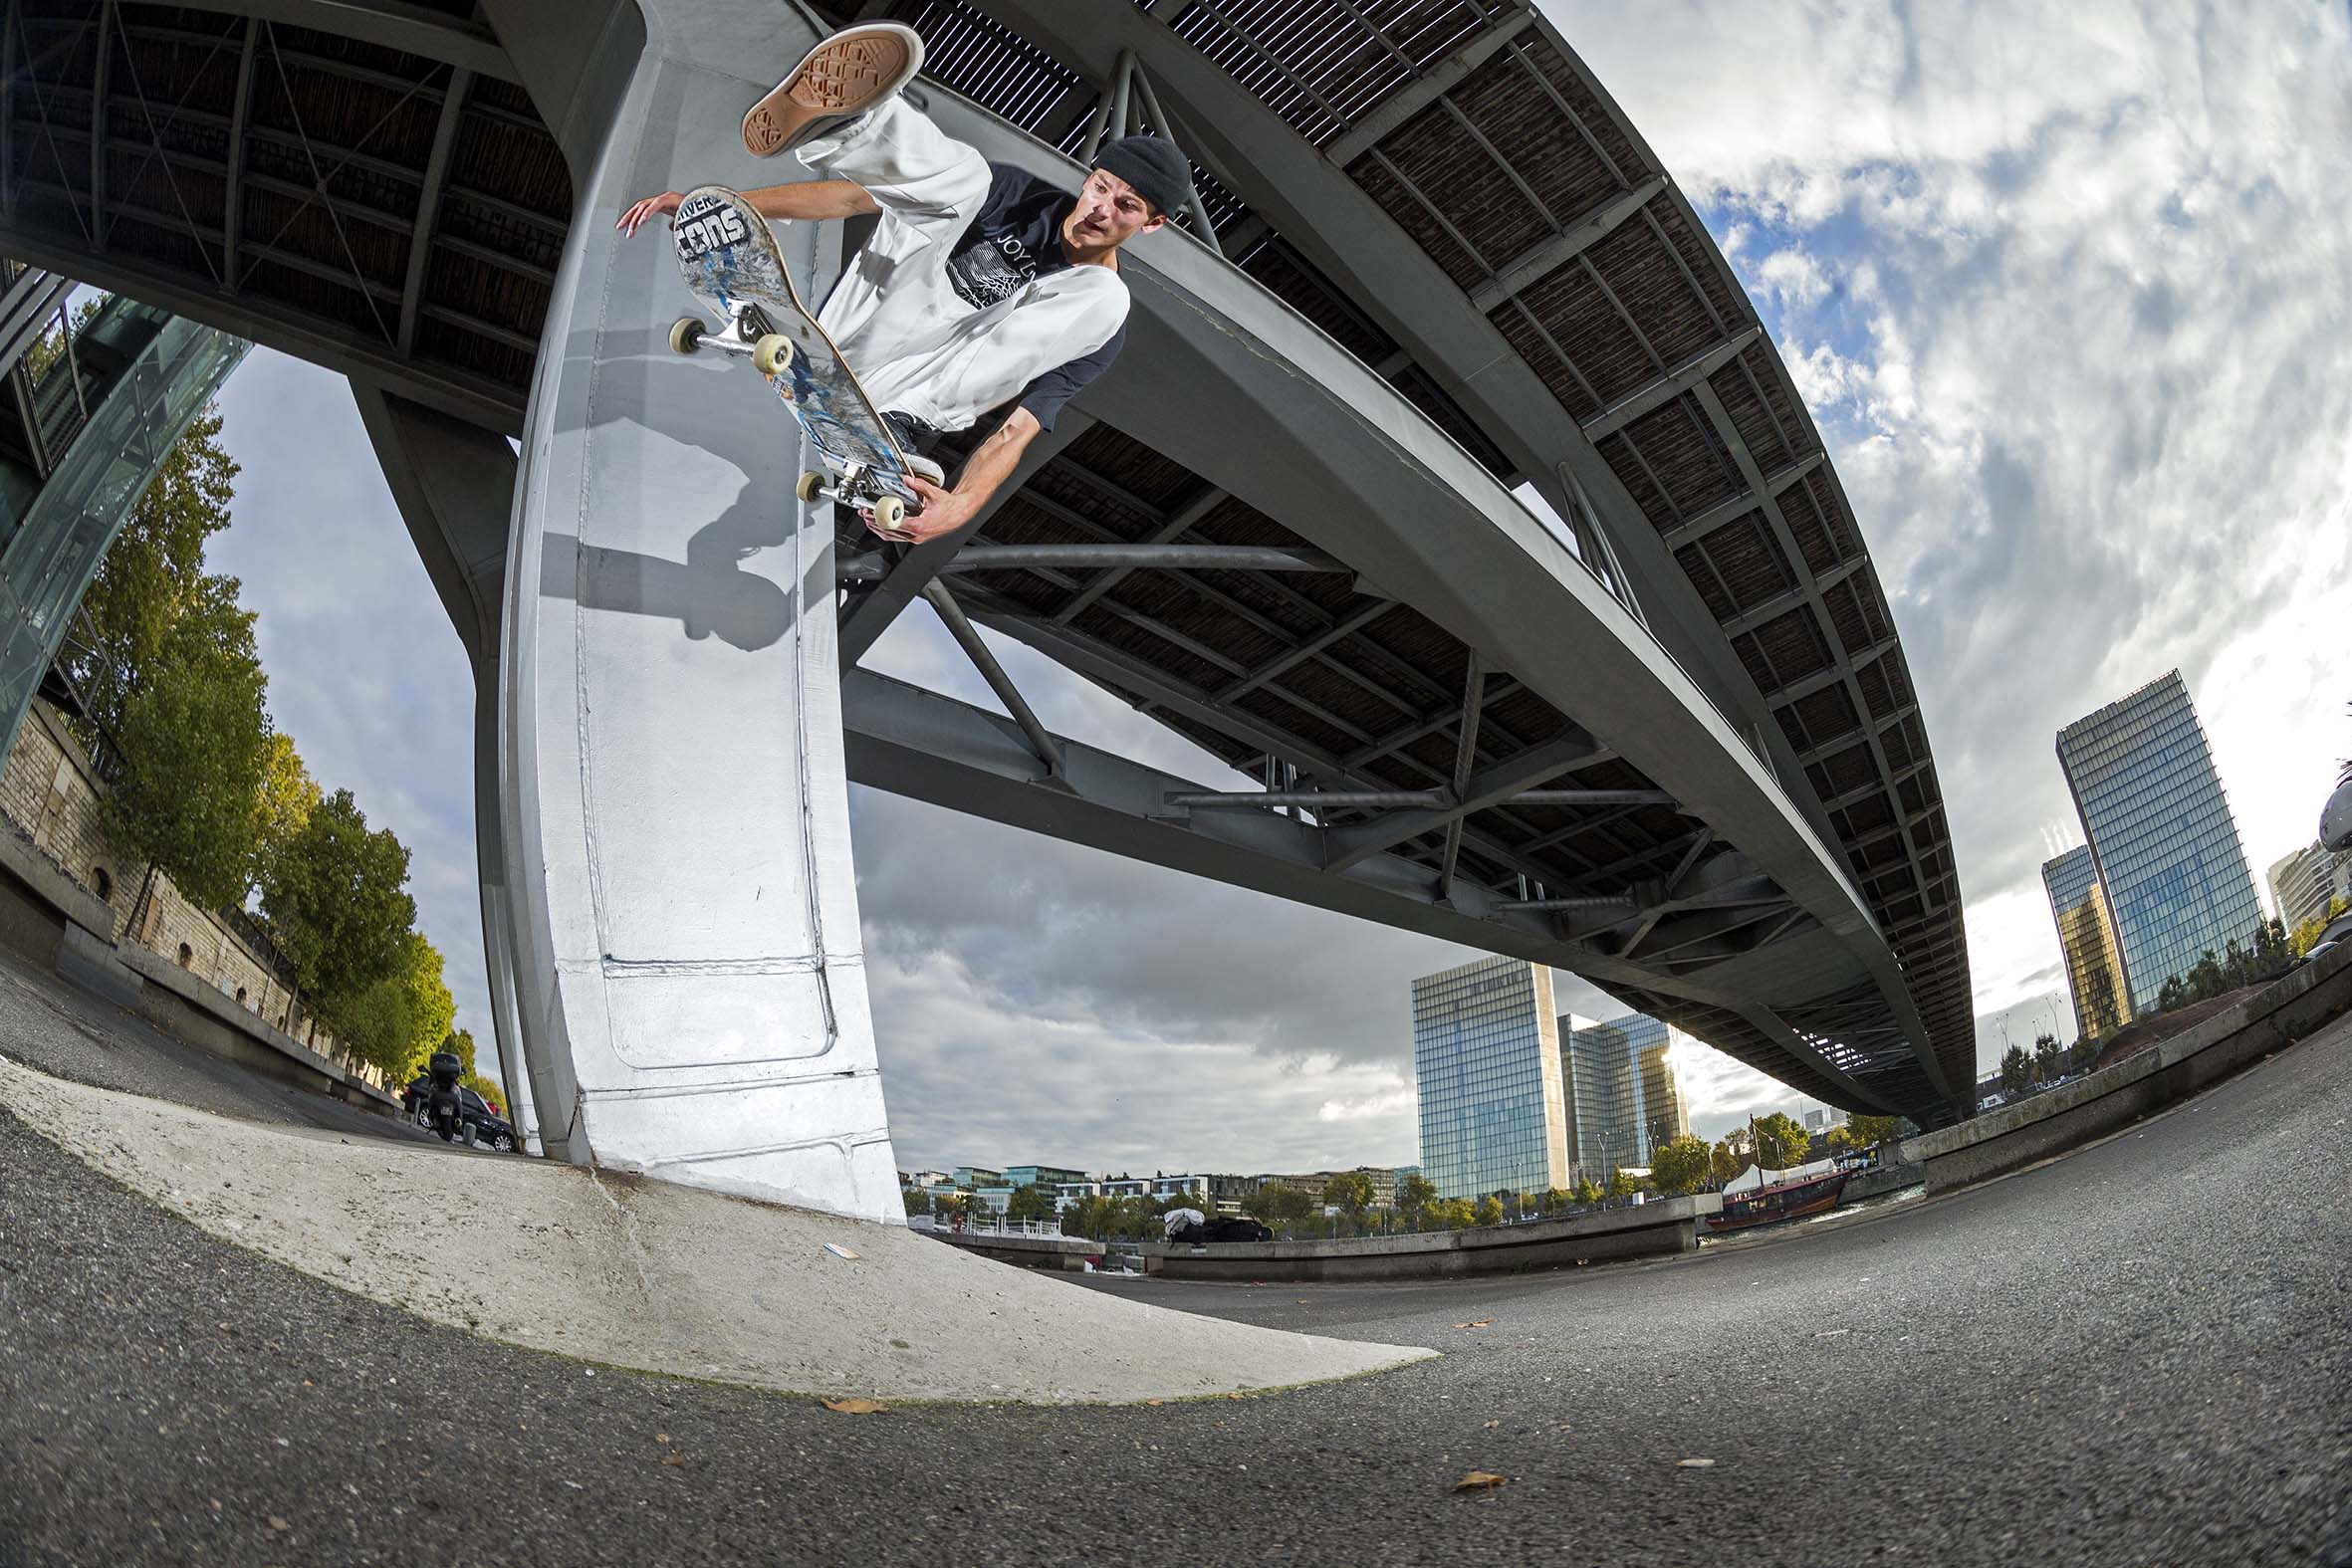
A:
(489, 1126)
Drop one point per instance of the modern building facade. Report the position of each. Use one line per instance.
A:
(1624, 1100)
(1486, 1057)
(1048, 1176)
(2160, 835)
(2086, 936)
(2304, 883)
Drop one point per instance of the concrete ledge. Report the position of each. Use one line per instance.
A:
(189, 1009)
(48, 882)
(661, 1278)
(2018, 1135)
(1662, 1229)
(1059, 1253)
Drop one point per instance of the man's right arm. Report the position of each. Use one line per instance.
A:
(805, 200)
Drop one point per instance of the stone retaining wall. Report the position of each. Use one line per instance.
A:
(2113, 1098)
(1662, 1229)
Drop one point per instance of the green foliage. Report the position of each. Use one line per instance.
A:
(152, 577)
(1030, 1202)
(2049, 1062)
(1489, 1211)
(1350, 1192)
(192, 736)
(287, 798)
(918, 1202)
(336, 902)
(1588, 1190)
(1724, 1161)
(399, 1022)
(1781, 1141)
(2016, 1071)
(1414, 1194)
(1681, 1166)
(1868, 1132)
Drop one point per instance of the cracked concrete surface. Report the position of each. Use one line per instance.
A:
(628, 1273)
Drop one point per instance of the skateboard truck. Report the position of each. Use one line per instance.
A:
(771, 353)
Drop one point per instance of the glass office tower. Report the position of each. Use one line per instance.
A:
(2086, 935)
(1625, 1100)
(1485, 1055)
(2161, 836)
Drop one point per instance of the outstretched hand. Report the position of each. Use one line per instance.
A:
(943, 513)
(661, 206)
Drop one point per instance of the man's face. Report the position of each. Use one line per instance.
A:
(1108, 214)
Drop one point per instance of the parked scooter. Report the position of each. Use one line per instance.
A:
(444, 1108)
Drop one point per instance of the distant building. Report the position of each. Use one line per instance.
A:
(929, 1179)
(1048, 1175)
(2160, 835)
(1822, 1118)
(2306, 881)
(1487, 1058)
(2086, 935)
(978, 1176)
(1624, 1101)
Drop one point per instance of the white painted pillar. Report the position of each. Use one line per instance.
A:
(688, 967)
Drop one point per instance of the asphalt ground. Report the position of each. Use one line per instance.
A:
(2139, 1354)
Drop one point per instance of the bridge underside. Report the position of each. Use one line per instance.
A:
(1662, 738)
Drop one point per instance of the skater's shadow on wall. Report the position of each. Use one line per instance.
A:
(708, 593)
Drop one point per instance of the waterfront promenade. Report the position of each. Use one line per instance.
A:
(2138, 1354)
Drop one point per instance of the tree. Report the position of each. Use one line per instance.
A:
(1414, 1194)
(1030, 1202)
(336, 901)
(2205, 977)
(1781, 1141)
(1622, 1183)
(287, 798)
(2172, 994)
(1681, 1164)
(152, 572)
(2016, 1071)
(1868, 1132)
(193, 738)
(1350, 1192)
(1724, 1162)
(1489, 1211)
(399, 1020)
(2049, 1064)
(1587, 1190)
(918, 1202)
(491, 1091)
(1279, 1203)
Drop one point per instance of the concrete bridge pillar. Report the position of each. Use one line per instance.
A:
(680, 911)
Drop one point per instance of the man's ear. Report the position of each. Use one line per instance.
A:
(1157, 222)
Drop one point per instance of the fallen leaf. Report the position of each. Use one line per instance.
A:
(673, 1458)
(1155, 1402)
(662, 1437)
(1494, 1424)
(1232, 1396)
(854, 1406)
(1302, 1301)
(1480, 1481)
(1693, 1464)
(277, 1523)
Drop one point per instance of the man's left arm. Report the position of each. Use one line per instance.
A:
(948, 511)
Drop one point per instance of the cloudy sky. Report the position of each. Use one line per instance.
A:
(2065, 288)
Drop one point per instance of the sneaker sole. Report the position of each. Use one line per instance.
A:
(845, 75)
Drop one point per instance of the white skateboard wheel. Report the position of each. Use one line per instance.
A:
(889, 512)
(811, 483)
(685, 334)
(772, 353)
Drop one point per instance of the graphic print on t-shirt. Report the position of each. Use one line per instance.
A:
(994, 268)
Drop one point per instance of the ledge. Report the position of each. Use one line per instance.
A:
(1662, 1229)
(1065, 1253)
(2049, 1124)
(189, 1009)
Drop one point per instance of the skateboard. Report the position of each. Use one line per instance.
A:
(732, 265)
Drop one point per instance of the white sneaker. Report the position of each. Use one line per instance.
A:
(843, 77)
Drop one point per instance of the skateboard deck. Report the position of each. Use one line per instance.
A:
(731, 264)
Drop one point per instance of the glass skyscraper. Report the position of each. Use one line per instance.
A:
(1486, 1057)
(2161, 836)
(1624, 1100)
(2102, 1003)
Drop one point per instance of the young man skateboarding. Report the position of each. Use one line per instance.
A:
(981, 285)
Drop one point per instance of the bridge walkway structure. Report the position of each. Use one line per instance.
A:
(1449, 487)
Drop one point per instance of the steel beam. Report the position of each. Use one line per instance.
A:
(1424, 90)
(428, 206)
(1493, 785)
(1667, 385)
(1545, 256)
(1146, 558)
(411, 29)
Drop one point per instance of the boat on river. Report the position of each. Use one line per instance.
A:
(1790, 1199)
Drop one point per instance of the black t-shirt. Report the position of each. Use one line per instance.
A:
(1015, 239)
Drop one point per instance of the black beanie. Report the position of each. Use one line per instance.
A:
(1153, 166)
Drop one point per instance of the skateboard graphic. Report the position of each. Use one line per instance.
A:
(732, 265)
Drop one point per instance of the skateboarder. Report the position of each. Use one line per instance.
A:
(981, 284)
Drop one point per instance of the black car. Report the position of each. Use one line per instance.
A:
(490, 1128)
